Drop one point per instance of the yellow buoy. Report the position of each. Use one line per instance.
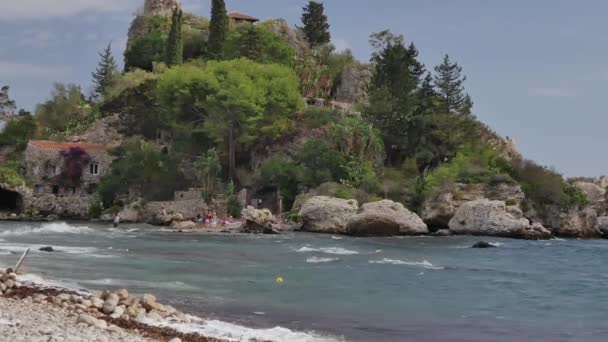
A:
(279, 280)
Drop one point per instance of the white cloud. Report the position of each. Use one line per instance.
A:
(34, 9)
(341, 44)
(552, 92)
(22, 70)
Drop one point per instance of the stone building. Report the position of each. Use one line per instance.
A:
(44, 165)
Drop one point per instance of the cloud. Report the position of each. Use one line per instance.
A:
(341, 44)
(35, 9)
(552, 92)
(32, 71)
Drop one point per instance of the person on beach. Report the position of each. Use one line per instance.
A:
(116, 220)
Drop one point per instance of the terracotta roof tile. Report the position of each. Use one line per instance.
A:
(241, 16)
(54, 145)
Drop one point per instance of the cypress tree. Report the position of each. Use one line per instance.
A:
(251, 44)
(316, 26)
(449, 82)
(175, 45)
(105, 72)
(218, 29)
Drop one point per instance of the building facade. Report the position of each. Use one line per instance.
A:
(45, 165)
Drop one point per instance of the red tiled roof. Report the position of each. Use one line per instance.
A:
(54, 145)
(241, 16)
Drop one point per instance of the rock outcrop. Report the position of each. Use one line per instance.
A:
(439, 209)
(602, 225)
(257, 221)
(322, 214)
(494, 218)
(293, 36)
(385, 218)
(354, 83)
(578, 224)
(595, 193)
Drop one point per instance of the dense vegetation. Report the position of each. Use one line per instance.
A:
(231, 97)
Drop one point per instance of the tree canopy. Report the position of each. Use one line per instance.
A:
(316, 26)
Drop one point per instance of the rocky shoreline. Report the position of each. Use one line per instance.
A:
(30, 312)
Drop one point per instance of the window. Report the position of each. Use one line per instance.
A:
(94, 168)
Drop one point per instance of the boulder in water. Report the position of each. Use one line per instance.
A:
(47, 249)
(483, 244)
(323, 214)
(385, 218)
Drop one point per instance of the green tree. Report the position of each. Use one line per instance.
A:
(233, 206)
(259, 44)
(316, 26)
(449, 83)
(175, 44)
(145, 51)
(395, 97)
(140, 170)
(18, 132)
(106, 71)
(67, 104)
(239, 102)
(209, 169)
(250, 47)
(218, 29)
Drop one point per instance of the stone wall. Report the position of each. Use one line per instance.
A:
(62, 206)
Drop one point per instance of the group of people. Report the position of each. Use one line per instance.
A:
(210, 218)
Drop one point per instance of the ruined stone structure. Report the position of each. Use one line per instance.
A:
(160, 7)
(44, 165)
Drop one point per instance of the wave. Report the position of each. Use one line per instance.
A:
(327, 250)
(233, 332)
(20, 248)
(337, 237)
(496, 244)
(49, 228)
(424, 263)
(169, 285)
(317, 260)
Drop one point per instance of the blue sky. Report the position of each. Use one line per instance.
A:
(537, 70)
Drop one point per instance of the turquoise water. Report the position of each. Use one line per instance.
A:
(361, 289)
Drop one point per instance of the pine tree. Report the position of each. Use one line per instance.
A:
(251, 44)
(449, 83)
(105, 72)
(315, 23)
(175, 44)
(218, 29)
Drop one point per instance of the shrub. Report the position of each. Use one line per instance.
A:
(18, 132)
(9, 175)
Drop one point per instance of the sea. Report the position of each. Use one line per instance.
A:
(312, 287)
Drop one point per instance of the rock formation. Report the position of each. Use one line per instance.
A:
(324, 214)
(293, 36)
(439, 209)
(385, 218)
(257, 221)
(151, 8)
(494, 218)
(354, 83)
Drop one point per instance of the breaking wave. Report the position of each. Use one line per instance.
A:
(317, 260)
(327, 250)
(424, 263)
(169, 285)
(49, 228)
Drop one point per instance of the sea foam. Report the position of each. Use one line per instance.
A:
(317, 260)
(232, 332)
(328, 250)
(424, 263)
(49, 228)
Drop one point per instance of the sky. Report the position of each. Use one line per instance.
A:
(537, 70)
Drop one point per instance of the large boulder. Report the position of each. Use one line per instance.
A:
(257, 221)
(385, 218)
(494, 218)
(294, 37)
(324, 214)
(184, 225)
(578, 224)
